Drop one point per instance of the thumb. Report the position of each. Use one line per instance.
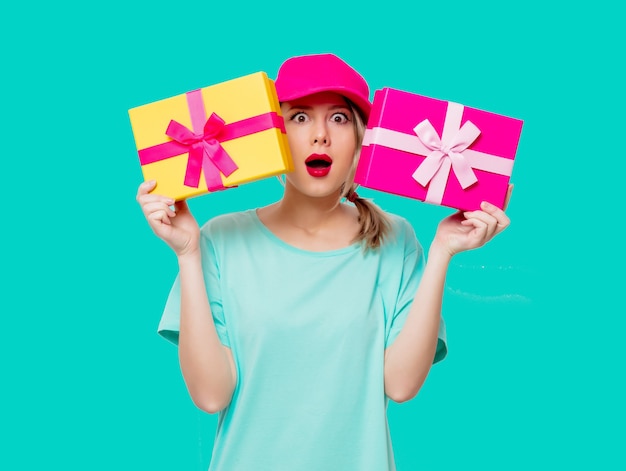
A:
(507, 198)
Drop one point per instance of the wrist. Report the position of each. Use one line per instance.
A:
(189, 257)
(439, 253)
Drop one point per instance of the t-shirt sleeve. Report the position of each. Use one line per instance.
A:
(169, 326)
(412, 271)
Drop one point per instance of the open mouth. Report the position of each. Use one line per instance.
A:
(318, 161)
(318, 165)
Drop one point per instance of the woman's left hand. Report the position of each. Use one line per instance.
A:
(472, 229)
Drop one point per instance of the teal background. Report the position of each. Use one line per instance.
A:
(534, 375)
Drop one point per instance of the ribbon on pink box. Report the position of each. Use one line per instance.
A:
(203, 142)
(444, 154)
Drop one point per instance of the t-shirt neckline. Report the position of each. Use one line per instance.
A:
(278, 241)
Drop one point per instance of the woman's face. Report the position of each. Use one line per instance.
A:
(322, 139)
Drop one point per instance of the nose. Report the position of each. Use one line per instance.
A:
(320, 134)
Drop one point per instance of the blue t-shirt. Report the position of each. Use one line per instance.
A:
(308, 331)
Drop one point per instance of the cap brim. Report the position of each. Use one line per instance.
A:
(364, 106)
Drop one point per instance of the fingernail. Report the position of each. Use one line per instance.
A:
(486, 205)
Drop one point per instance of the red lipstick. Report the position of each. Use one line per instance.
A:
(318, 165)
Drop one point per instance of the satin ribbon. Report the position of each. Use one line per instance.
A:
(203, 143)
(205, 153)
(443, 155)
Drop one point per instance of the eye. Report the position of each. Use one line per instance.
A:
(340, 118)
(299, 117)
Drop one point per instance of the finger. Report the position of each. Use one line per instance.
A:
(475, 222)
(502, 220)
(158, 206)
(483, 216)
(145, 199)
(478, 219)
(157, 218)
(487, 222)
(479, 230)
(507, 198)
(145, 188)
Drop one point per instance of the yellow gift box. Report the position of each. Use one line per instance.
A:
(212, 138)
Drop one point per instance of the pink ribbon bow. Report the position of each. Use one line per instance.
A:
(205, 152)
(442, 149)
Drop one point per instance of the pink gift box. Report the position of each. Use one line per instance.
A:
(437, 151)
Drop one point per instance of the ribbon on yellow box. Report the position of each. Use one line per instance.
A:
(212, 138)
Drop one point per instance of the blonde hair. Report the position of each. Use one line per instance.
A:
(375, 224)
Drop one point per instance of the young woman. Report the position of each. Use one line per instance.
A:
(299, 320)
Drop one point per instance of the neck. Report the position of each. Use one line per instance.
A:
(316, 224)
(307, 213)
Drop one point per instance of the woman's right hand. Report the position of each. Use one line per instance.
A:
(178, 228)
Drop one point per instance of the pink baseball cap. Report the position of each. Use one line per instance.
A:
(305, 75)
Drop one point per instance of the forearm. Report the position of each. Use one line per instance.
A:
(409, 358)
(206, 364)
